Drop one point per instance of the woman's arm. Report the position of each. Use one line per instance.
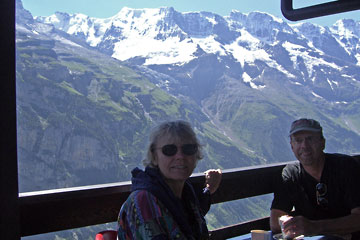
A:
(213, 179)
(212, 182)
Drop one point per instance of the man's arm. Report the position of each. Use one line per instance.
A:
(337, 226)
(343, 225)
(274, 219)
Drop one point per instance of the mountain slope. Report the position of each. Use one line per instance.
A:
(82, 114)
(273, 71)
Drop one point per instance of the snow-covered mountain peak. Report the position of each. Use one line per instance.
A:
(258, 16)
(346, 28)
(146, 13)
(236, 16)
(309, 29)
(73, 24)
(254, 50)
(253, 19)
(166, 36)
(60, 20)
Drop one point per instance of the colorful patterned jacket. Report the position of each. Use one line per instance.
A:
(153, 212)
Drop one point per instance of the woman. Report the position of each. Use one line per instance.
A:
(163, 203)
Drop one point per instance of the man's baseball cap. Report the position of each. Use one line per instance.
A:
(305, 124)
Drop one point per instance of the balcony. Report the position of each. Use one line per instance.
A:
(61, 209)
(54, 210)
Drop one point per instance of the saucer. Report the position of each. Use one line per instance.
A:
(280, 237)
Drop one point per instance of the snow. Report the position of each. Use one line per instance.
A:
(211, 20)
(357, 56)
(296, 51)
(316, 95)
(151, 34)
(330, 83)
(248, 79)
(252, 51)
(169, 51)
(340, 29)
(210, 45)
(243, 54)
(68, 42)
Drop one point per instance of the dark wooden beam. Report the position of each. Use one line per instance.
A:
(55, 210)
(9, 209)
(252, 181)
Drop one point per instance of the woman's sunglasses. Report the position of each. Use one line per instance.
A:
(187, 149)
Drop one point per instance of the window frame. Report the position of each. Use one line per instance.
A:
(9, 202)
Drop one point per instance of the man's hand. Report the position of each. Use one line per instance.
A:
(299, 225)
(212, 179)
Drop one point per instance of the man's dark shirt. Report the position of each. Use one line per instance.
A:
(297, 189)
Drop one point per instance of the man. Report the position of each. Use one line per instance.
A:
(321, 190)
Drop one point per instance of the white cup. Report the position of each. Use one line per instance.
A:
(283, 219)
(260, 235)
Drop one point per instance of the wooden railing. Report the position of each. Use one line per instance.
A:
(61, 209)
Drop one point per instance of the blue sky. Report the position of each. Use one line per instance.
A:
(108, 8)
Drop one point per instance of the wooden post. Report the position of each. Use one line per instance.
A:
(9, 204)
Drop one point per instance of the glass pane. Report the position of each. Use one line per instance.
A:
(94, 77)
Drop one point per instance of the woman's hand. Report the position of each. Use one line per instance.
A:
(212, 179)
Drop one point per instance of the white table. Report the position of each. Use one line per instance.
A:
(248, 237)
